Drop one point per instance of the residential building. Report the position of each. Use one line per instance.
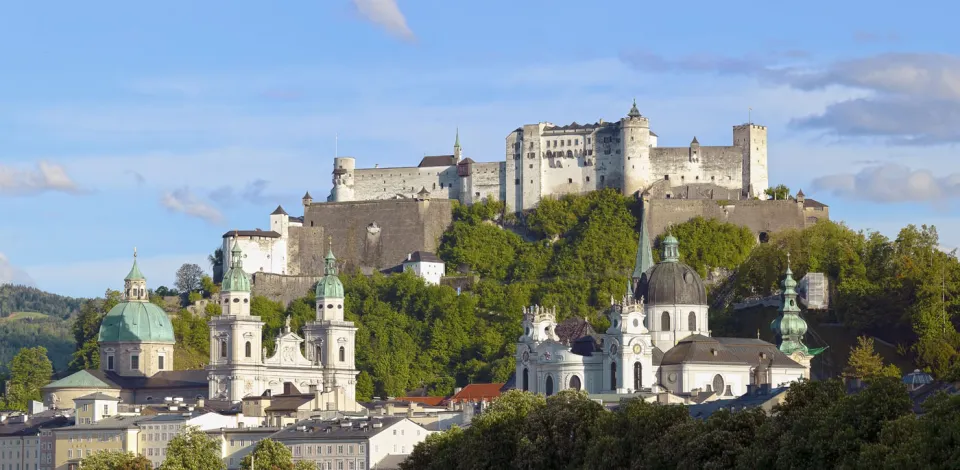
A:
(425, 265)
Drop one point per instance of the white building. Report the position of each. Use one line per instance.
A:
(157, 432)
(658, 340)
(425, 265)
(353, 444)
(239, 366)
(263, 250)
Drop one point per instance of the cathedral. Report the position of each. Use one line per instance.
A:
(136, 348)
(659, 340)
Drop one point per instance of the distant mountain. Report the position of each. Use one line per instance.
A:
(14, 298)
(31, 317)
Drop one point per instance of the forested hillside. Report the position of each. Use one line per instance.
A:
(14, 298)
(31, 317)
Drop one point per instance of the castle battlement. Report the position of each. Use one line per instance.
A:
(547, 160)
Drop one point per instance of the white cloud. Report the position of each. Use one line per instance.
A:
(91, 278)
(10, 274)
(183, 200)
(46, 177)
(891, 183)
(387, 14)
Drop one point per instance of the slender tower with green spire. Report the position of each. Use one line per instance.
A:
(644, 250)
(789, 328)
(456, 148)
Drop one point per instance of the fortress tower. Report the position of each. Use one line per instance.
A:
(343, 179)
(752, 140)
(635, 135)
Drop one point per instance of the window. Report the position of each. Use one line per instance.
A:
(343, 354)
(613, 376)
(569, 180)
(248, 349)
(516, 181)
(548, 389)
(665, 321)
(526, 379)
(588, 179)
(637, 376)
(106, 410)
(575, 383)
(135, 362)
(223, 348)
(109, 362)
(160, 362)
(692, 321)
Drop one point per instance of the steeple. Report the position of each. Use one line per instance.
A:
(330, 262)
(134, 274)
(634, 112)
(135, 284)
(235, 279)
(644, 251)
(788, 327)
(456, 147)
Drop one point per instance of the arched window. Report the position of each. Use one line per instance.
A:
(613, 376)
(575, 383)
(343, 354)
(665, 321)
(223, 348)
(637, 376)
(569, 153)
(526, 380)
(692, 321)
(548, 388)
(247, 349)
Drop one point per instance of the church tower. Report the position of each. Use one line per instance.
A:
(789, 328)
(235, 338)
(628, 362)
(457, 151)
(330, 339)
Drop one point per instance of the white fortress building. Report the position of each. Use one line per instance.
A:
(548, 160)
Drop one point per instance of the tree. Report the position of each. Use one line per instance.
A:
(778, 192)
(193, 449)
(165, 291)
(189, 277)
(269, 454)
(216, 259)
(208, 287)
(115, 460)
(305, 465)
(86, 330)
(30, 369)
(865, 364)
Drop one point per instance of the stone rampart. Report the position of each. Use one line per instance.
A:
(761, 217)
(283, 288)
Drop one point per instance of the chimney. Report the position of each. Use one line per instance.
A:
(200, 402)
(409, 256)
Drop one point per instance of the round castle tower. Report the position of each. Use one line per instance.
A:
(343, 170)
(635, 137)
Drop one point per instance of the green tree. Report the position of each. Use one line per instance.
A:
(86, 330)
(208, 287)
(305, 465)
(30, 369)
(193, 449)
(708, 243)
(268, 454)
(115, 460)
(865, 363)
(364, 390)
(778, 192)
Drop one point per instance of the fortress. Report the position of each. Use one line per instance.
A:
(547, 160)
(377, 216)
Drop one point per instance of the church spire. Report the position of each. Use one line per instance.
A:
(789, 327)
(235, 279)
(644, 251)
(456, 147)
(135, 274)
(330, 262)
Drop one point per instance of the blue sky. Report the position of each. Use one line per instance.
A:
(162, 125)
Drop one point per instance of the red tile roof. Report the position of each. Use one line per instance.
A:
(478, 392)
(428, 401)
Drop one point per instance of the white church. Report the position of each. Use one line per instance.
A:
(659, 340)
(239, 366)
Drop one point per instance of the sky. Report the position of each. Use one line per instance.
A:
(162, 125)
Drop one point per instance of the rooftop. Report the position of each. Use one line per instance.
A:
(475, 392)
(422, 257)
(314, 429)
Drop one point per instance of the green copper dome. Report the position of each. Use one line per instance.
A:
(330, 286)
(789, 327)
(235, 279)
(136, 321)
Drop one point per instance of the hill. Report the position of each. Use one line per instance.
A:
(31, 317)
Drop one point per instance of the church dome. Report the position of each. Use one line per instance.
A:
(136, 322)
(330, 285)
(670, 281)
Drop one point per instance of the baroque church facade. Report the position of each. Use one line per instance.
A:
(240, 367)
(136, 346)
(659, 340)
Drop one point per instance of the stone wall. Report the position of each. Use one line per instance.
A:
(283, 289)
(759, 216)
(387, 183)
(370, 235)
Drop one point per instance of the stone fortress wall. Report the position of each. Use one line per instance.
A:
(544, 160)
